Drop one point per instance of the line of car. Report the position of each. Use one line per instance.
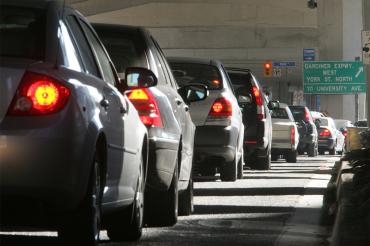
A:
(99, 130)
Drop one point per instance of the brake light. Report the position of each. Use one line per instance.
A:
(292, 136)
(221, 108)
(38, 94)
(146, 106)
(345, 133)
(259, 102)
(307, 114)
(325, 133)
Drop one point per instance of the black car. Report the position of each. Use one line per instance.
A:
(164, 110)
(256, 118)
(308, 137)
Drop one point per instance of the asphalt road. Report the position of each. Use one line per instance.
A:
(277, 207)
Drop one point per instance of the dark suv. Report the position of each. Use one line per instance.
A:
(164, 110)
(307, 130)
(256, 118)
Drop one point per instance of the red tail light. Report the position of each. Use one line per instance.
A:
(221, 108)
(325, 132)
(345, 133)
(259, 102)
(292, 136)
(307, 114)
(146, 106)
(38, 94)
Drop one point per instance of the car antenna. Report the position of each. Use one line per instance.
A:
(60, 28)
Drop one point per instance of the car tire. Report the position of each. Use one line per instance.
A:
(186, 202)
(274, 157)
(321, 152)
(240, 169)
(228, 172)
(163, 209)
(127, 225)
(292, 156)
(332, 151)
(263, 163)
(83, 227)
(311, 151)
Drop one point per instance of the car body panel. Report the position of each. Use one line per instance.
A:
(46, 159)
(335, 141)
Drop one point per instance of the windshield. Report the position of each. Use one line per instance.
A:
(22, 32)
(187, 73)
(279, 113)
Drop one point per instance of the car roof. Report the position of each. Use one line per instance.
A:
(117, 27)
(194, 60)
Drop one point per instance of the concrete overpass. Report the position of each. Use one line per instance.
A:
(246, 33)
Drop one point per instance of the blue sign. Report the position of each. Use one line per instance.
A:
(283, 64)
(309, 54)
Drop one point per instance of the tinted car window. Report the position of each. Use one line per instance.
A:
(83, 46)
(324, 122)
(123, 50)
(186, 73)
(22, 32)
(239, 79)
(71, 57)
(279, 113)
(299, 113)
(100, 55)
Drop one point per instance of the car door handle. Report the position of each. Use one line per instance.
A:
(178, 101)
(122, 110)
(104, 103)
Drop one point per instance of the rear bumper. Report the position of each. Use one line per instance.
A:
(326, 144)
(162, 160)
(215, 142)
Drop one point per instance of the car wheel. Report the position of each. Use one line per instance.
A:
(321, 152)
(163, 209)
(311, 150)
(332, 151)
(127, 225)
(292, 156)
(264, 162)
(240, 168)
(83, 227)
(274, 157)
(186, 204)
(229, 171)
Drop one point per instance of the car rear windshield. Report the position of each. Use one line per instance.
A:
(22, 32)
(298, 113)
(187, 73)
(324, 122)
(279, 113)
(239, 79)
(123, 50)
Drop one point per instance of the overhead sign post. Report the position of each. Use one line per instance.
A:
(333, 77)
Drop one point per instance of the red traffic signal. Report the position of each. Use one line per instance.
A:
(267, 69)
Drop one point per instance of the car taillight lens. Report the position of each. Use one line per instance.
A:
(221, 108)
(146, 106)
(292, 136)
(38, 94)
(325, 133)
(259, 102)
(345, 133)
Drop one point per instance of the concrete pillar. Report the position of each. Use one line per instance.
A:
(366, 16)
(340, 23)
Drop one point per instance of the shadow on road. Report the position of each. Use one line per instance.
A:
(259, 191)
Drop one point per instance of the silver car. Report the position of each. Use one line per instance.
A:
(219, 128)
(285, 136)
(73, 150)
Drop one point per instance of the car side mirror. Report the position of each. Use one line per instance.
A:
(193, 92)
(244, 99)
(138, 77)
(273, 105)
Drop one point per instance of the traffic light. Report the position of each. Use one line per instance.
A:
(267, 69)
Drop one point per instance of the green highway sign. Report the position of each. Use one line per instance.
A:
(333, 77)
